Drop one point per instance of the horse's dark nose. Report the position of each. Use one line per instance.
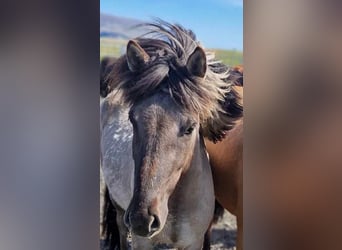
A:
(142, 224)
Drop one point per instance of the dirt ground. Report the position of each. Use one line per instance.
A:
(223, 233)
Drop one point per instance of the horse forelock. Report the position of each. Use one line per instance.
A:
(169, 47)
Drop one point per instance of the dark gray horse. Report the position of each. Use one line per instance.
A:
(155, 165)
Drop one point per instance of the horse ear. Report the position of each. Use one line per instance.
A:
(136, 56)
(197, 63)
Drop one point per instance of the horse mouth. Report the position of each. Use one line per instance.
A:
(148, 235)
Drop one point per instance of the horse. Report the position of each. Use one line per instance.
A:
(109, 225)
(237, 74)
(227, 169)
(106, 66)
(165, 100)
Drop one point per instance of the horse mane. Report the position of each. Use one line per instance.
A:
(106, 66)
(169, 47)
(217, 127)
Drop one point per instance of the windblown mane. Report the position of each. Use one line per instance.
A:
(169, 47)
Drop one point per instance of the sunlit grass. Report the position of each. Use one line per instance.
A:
(111, 47)
(229, 57)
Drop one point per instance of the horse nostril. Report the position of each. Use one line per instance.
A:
(155, 225)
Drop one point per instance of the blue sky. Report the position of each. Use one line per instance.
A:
(217, 23)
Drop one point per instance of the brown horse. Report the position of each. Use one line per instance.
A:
(237, 73)
(226, 163)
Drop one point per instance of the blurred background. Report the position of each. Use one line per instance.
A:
(218, 24)
(49, 130)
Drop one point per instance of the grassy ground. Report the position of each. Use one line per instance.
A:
(115, 47)
(229, 57)
(111, 47)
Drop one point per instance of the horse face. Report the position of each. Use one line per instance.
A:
(164, 138)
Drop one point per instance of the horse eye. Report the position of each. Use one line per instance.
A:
(189, 130)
